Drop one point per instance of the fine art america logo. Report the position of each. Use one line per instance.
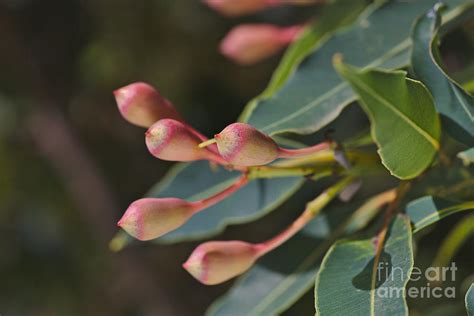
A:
(391, 276)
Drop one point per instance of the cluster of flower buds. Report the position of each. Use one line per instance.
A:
(239, 146)
(250, 43)
(169, 137)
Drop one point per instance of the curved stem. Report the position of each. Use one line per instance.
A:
(313, 208)
(214, 199)
(293, 153)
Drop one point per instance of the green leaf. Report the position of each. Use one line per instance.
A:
(451, 100)
(470, 300)
(428, 210)
(315, 95)
(404, 123)
(345, 283)
(467, 156)
(335, 15)
(285, 274)
(196, 180)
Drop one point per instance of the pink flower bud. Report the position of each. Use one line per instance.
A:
(250, 43)
(218, 261)
(172, 140)
(150, 218)
(140, 104)
(243, 145)
(239, 7)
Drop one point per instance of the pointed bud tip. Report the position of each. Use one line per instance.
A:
(218, 261)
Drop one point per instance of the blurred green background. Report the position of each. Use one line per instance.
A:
(70, 165)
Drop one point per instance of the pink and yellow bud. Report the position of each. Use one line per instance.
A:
(140, 104)
(243, 145)
(172, 140)
(250, 43)
(150, 218)
(218, 261)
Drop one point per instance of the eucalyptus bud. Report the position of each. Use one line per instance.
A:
(249, 43)
(172, 140)
(218, 261)
(149, 218)
(243, 145)
(140, 104)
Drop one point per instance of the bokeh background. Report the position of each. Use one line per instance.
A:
(70, 165)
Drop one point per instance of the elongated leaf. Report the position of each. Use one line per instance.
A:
(315, 94)
(404, 123)
(335, 15)
(196, 181)
(428, 210)
(451, 100)
(467, 156)
(352, 282)
(285, 274)
(470, 300)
